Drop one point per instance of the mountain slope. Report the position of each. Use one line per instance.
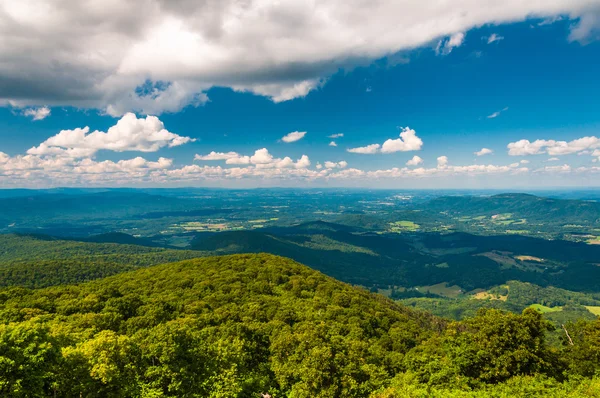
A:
(40, 261)
(238, 324)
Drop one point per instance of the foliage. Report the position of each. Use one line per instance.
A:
(237, 326)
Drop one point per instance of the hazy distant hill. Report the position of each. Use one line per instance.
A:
(530, 207)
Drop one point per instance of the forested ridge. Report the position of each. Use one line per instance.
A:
(242, 325)
(39, 261)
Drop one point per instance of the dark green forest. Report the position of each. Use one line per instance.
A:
(242, 325)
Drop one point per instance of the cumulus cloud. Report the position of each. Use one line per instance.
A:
(332, 143)
(293, 136)
(369, 149)
(552, 147)
(157, 56)
(553, 160)
(129, 134)
(414, 161)
(261, 158)
(483, 151)
(217, 156)
(332, 165)
(338, 135)
(37, 113)
(497, 113)
(408, 141)
(442, 161)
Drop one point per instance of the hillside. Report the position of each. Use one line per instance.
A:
(40, 261)
(361, 260)
(239, 326)
(424, 259)
(244, 324)
(519, 206)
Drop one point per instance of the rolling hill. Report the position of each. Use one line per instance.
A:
(520, 206)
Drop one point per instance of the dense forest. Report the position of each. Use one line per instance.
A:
(243, 325)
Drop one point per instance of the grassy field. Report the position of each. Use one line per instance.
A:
(593, 309)
(404, 226)
(530, 258)
(442, 289)
(543, 309)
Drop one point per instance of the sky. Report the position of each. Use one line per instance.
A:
(331, 93)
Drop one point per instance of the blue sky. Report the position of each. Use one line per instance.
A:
(536, 79)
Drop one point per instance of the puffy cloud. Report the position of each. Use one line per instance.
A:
(162, 55)
(37, 113)
(332, 143)
(553, 160)
(408, 141)
(129, 134)
(217, 156)
(414, 161)
(552, 147)
(369, 149)
(524, 161)
(293, 136)
(338, 135)
(445, 46)
(442, 161)
(262, 158)
(333, 165)
(483, 151)
(497, 113)
(494, 37)
(238, 160)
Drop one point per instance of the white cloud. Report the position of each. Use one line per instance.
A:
(494, 37)
(552, 147)
(293, 136)
(414, 161)
(483, 151)
(587, 28)
(408, 141)
(369, 149)
(262, 158)
(37, 113)
(565, 168)
(129, 134)
(332, 143)
(332, 165)
(157, 56)
(553, 160)
(217, 156)
(445, 46)
(338, 135)
(524, 161)
(442, 161)
(238, 160)
(497, 113)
